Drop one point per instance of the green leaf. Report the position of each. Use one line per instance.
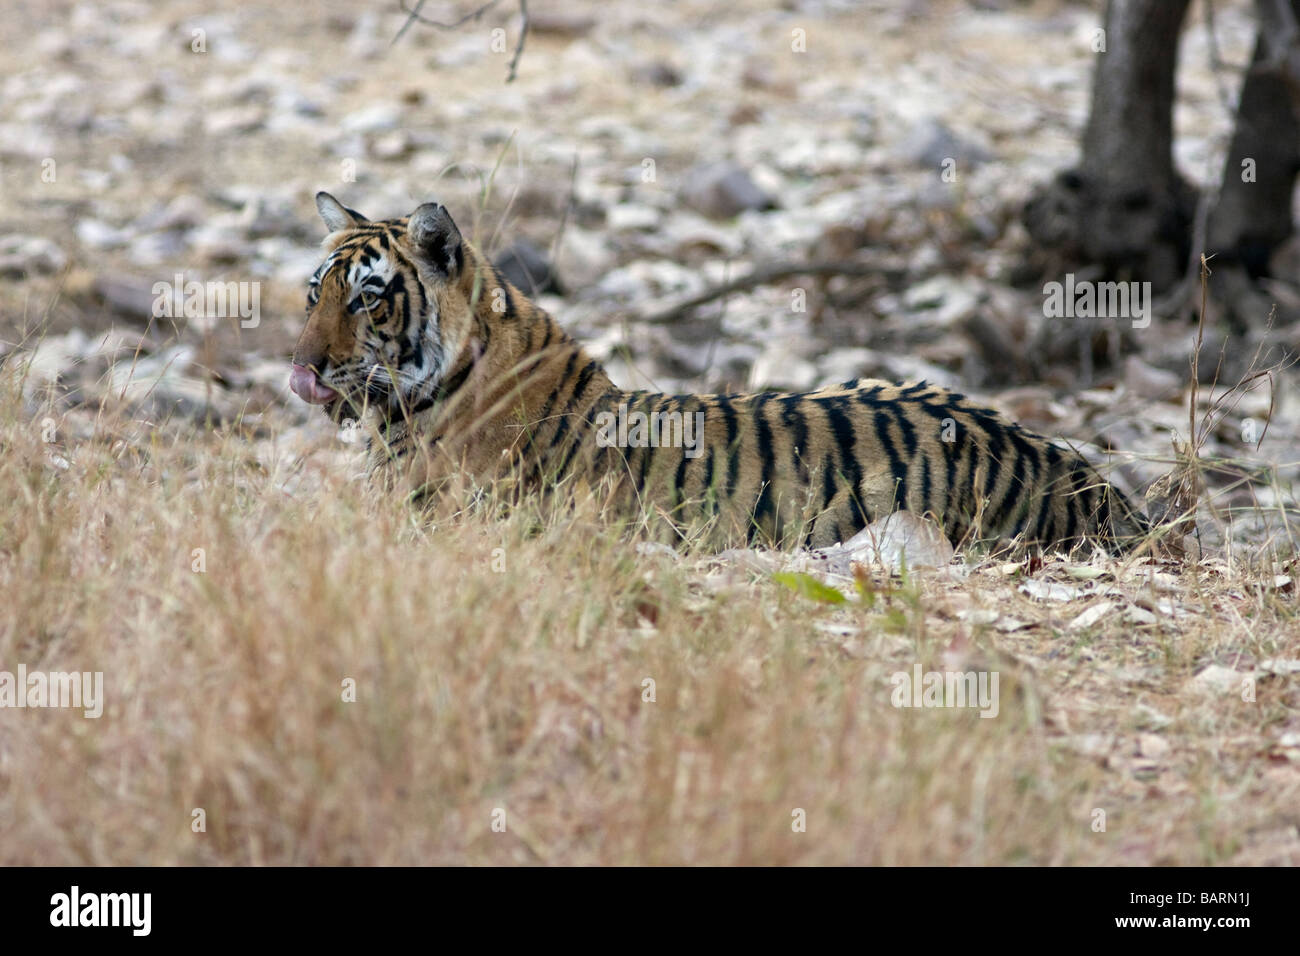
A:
(1083, 572)
(809, 586)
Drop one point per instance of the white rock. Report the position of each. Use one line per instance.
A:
(843, 365)
(1216, 679)
(234, 119)
(100, 235)
(393, 145)
(1091, 616)
(901, 539)
(1153, 746)
(777, 368)
(373, 119)
(1041, 590)
(631, 216)
(944, 300)
(29, 255)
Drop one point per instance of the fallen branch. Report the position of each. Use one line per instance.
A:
(761, 276)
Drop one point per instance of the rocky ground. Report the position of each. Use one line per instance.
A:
(650, 155)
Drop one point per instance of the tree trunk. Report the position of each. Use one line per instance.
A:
(1252, 215)
(1126, 208)
(1137, 212)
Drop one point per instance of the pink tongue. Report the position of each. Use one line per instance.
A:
(308, 387)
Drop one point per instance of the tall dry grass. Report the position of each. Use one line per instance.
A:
(512, 680)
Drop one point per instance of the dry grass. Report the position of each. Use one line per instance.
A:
(522, 689)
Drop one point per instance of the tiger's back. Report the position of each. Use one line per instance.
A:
(812, 469)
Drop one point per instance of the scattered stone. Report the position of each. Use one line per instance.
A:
(630, 217)
(656, 549)
(128, 295)
(1280, 666)
(1041, 590)
(559, 23)
(723, 190)
(688, 233)
(391, 146)
(845, 365)
(1091, 617)
(658, 73)
(1217, 679)
(528, 269)
(1148, 716)
(1140, 616)
(901, 539)
(184, 212)
(215, 243)
(777, 368)
(234, 120)
(379, 118)
(1090, 745)
(930, 143)
(1151, 383)
(157, 247)
(265, 216)
(1153, 746)
(29, 255)
(365, 42)
(100, 235)
(944, 300)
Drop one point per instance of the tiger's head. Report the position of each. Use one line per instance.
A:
(388, 311)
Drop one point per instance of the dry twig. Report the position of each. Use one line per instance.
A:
(761, 276)
(415, 16)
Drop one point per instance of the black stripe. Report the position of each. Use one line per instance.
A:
(562, 424)
(452, 385)
(584, 379)
(828, 483)
(574, 444)
(897, 466)
(545, 414)
(652, 404)
(1043, 502)
(846, 437)
(907, 430)
(1072, 513)
(925, 482)
(732, 446)
(763, 508)
(707, 490)
(679, 481)
(792, 417)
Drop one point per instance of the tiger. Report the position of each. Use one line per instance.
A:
(412, 330)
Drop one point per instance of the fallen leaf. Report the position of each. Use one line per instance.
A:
(1049, 590)
(1091, 616)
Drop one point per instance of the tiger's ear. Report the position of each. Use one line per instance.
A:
(436, 238)
(336, 215)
